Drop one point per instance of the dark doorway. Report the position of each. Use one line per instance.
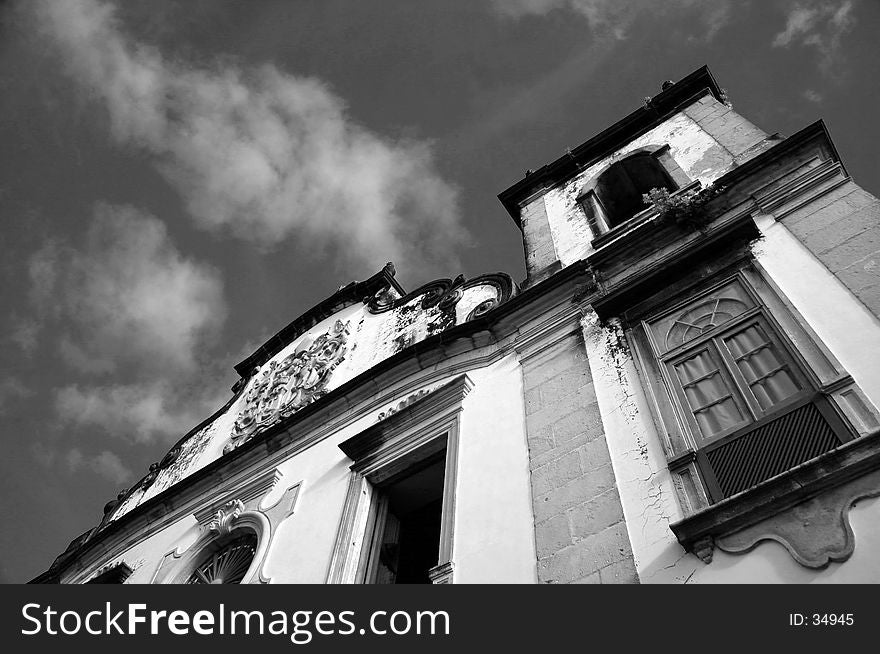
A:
(620, 188)
(406, 543)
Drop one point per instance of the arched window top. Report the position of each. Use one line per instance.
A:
(615, 195)
(621, 186)
(227, 560)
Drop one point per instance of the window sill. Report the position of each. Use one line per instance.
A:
(624, 228)
(805, 509)
(644, 216)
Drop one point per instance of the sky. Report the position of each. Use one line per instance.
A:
(180, 179)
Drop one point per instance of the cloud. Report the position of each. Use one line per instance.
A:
(812, 96)
(614, 17)
(820, 25)
(142, 412)
(12, 389)
(106, 463)
(125, 304)
(127, 295)
(602, 15)
(258, 152)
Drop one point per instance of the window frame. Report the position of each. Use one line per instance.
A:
(597, 215)
(819, 374)
(386, 451)
(229, 517)
(744, 397)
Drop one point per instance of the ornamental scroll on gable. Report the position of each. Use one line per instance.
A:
(286, 386)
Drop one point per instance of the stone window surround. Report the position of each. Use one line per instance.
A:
(592, 206)
(425, 427)
(237, 508)
(764, 511)
(229, 520)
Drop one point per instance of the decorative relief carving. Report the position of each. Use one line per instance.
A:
(171, 457)
(286, 386)
(445, 294)
(815, 532)
(806, 510)
(483, 308)
(442, 296)
(381, 300)
(394, 408)
(151, 475)
(125, 569)
(223, 520)
(177, 465)
(112, 504)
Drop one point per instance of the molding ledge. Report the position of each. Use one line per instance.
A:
(441, 574)
(806, 509)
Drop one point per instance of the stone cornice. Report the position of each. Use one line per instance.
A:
(433, 406)
(346, 296)
(468, 346)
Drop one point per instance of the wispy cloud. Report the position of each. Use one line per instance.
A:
(105, 463)
(258, 152)
(141, 412)
(614, 17)
(812, 96)
(818, 24)
(126, 295)
(125, 305)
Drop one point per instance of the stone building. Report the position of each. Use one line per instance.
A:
(683, 389)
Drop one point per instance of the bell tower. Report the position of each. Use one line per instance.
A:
(681, 140)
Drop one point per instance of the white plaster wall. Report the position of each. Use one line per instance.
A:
(840, 320)
(849, 331)
(372, 338)
(695, 151)
(494, 527)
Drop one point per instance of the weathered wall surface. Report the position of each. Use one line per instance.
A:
(491, 545)
(707, 139)
(580, 531)
(540, 248)
(846, 328)
(358, 340)
(842, 229)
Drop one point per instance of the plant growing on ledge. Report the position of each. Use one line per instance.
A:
(683, 208)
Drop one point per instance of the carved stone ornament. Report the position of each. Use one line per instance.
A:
(444, 297)
(483, 308)
(815, 532)
(171, 457)
(405, 402)
(223, 520)
(381, 301)
(151, 475)
(286, 386)
(806, 509)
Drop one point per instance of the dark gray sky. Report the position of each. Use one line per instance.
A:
(181, 179)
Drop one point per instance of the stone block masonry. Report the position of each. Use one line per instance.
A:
(580, 533)
(842, 230)
(538, 241)
(730, 130)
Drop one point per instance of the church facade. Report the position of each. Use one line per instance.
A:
(684, 389)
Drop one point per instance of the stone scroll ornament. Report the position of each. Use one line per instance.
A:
(286, 386)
